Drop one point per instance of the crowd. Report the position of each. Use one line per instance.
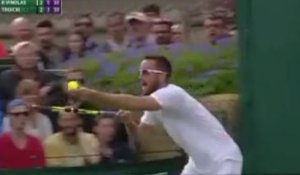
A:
(34, 136)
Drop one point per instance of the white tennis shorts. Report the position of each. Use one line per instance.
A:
(226, 167)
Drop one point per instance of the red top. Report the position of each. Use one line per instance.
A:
(11, 157)
(3, 52)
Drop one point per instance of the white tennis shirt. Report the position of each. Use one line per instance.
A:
(192, 127)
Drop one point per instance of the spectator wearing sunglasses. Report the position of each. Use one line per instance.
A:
(19, 150)
(84, 24)
(71, 147)
(38, 124)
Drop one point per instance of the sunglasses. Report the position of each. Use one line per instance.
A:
(17, 114)
(149, 71)
(74, 110)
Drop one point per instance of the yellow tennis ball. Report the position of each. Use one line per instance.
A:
(73, 85)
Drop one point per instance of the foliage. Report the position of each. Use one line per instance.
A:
(200, 69)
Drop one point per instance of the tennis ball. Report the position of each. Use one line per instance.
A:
(73, 85)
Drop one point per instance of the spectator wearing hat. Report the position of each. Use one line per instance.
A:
(19, 150)
(140, 30)
(37, 124)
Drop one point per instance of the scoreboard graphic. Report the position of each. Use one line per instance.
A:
(31, 6)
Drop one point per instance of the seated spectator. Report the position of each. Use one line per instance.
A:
(139, 28)
(21, 30)
(3, 52)
(216, 30)
(116, 27)
(84, 24)
(60, 97)
(71, 147)
(178, 33)
(18, 149)
(112, 150)
(37, 124)
(49, 51)
(75, 47)
(152, 11)
(26, 60)
(75, 52)
(161, 29)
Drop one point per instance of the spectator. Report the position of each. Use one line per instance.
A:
(216, 29)
(17, 149)
(116, 27)
(87, 120)
(152, 11)
(62, 98)
(75, 51)
(21, 30)
(178, 33)
(50, 53)
(161, 29)
(26, 60)
(139, 25)
(3, 52)
(71, 147)
(37, 124)
(112, 150)
(85, 25)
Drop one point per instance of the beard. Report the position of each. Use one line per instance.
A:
(150, 88)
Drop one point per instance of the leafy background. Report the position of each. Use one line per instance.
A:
(200, 69)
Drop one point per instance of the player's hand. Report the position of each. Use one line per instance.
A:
(125, 116)
(78, 93)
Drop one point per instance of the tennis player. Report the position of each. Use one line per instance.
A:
(210, 149)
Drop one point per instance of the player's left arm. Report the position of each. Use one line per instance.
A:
(120, 101)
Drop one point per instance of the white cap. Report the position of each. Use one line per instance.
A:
(139, 16)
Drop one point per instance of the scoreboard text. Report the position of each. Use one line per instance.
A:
(30, 6)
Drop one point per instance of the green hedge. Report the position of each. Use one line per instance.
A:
(201, 73)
